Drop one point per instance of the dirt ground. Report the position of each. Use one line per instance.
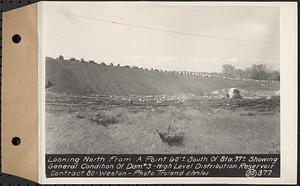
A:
(209, 124)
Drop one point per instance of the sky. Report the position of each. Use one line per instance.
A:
(168, 36)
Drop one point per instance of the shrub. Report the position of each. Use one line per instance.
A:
(49, 84)
(171, 136)
(60, 57)
(92, 62)
(104, 120)
(79, 115)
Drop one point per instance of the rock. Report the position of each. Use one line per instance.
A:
(269, 97)
(277, 93)
(216, 92)
(234, 93)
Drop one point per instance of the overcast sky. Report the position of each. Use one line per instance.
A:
(169, 36)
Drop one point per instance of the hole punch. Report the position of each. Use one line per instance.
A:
(16, 141)
(16, 38)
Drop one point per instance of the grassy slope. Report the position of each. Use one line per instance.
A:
(82, 78)
(215, 131)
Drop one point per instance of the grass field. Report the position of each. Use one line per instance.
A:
(210, 123)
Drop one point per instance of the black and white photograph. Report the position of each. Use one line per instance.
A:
(150, 92)
(161, 78)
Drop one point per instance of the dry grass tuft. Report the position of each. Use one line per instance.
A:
(172, 136)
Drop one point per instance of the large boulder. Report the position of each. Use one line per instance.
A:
(234, 93)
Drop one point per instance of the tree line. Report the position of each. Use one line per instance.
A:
(257, 72)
